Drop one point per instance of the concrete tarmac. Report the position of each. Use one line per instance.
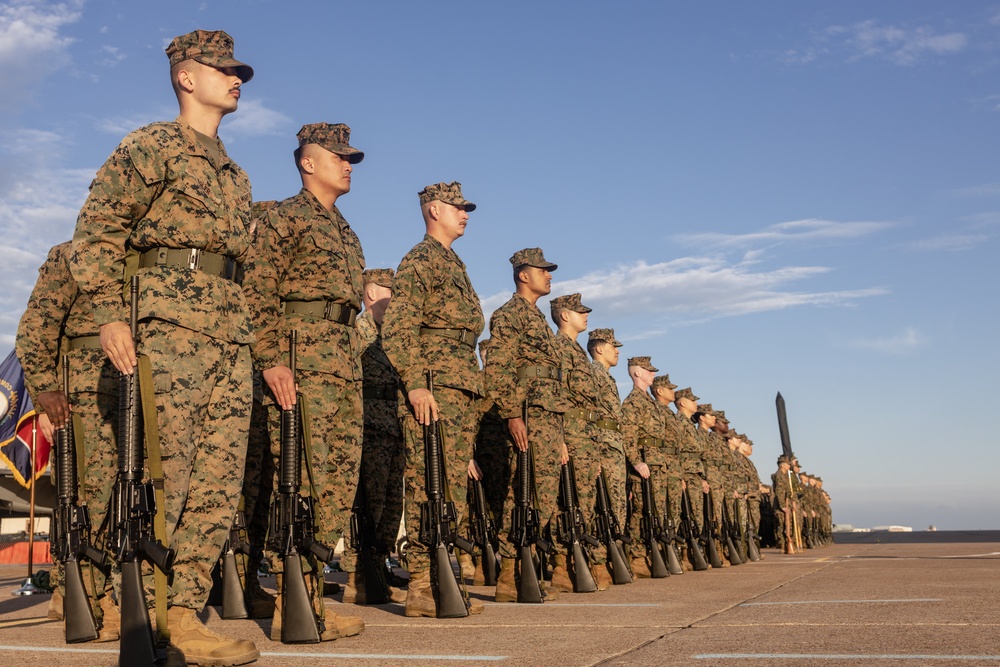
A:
(884, 604)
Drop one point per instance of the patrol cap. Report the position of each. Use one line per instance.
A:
(663, 381)
(643, 362)
(733, 435)
(783, 459)
(532, 257)
(333, 137)
(208, 47)
(704, 409)
(720, 415)
(568, 302)
(381, 277)
(449, 193)
(685, 393)
(604, 336)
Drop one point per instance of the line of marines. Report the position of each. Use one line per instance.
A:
(381, 355)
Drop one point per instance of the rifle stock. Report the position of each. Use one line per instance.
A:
(695, 553)
(669, 538)
(234, 603)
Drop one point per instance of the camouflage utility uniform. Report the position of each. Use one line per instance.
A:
(523, 366)
(432, 323)
(165, 190)
(383, 457)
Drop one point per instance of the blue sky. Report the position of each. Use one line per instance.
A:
(783, 196)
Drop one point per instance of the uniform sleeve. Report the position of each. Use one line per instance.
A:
(264, 273)
(120, 194)
(501, 365)
(39, 330)
(401, 325)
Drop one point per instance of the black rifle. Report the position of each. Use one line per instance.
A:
(695, 553)
(437, 525)
(292, 532)
(709, 530)
(572, 529)
(753, 540)
(234, 603)
(369, 554)
(670, 539)
(649, 526)
(71, 532)
(609, 532)
(132, 509)
(484, 532)
(731, 533)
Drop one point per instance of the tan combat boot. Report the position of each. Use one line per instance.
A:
(601, 576)
(201, 646)
(640, 569)
(339, 626)
(560, 574)
(111, 622)
(506, 584)
(467, 567)
(479, 577)
(354, 590)
(55, 612)
(419, 597)
(260, 603)
(685, 560)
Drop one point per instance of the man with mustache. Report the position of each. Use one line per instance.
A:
(170, 206)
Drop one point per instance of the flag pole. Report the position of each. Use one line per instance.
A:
(29, 587)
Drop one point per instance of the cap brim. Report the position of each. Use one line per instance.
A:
(244, 71)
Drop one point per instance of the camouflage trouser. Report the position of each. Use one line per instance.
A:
(203, 397)
(493, 453)
(94, 397)
(458, 418)
(334, 410)
(581, 441)
(383, 463)
(545, 433)
(258, 477)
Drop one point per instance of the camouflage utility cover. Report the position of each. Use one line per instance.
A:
(208, 47)
(335, 138)
(449, 193)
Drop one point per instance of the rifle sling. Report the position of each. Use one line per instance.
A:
(307, 452)
(155, 462)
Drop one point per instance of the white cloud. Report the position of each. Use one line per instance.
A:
(812, 229)
(869, 40)
(253, 119)
(985, 190)
(696, 289)
(31, 46)
(38, 208)
(119, 126)
(951, 242)
(899, 45)
(904, 342)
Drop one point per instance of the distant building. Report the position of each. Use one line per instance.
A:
(894, 529)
